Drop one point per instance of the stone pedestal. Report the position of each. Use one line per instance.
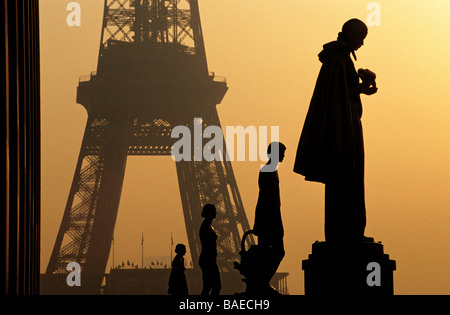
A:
(348, 269)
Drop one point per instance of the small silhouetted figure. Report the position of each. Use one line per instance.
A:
(177, 280)
(207, 261)
(268, 223)
(331, 148)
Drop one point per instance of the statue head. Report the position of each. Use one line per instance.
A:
(209, 211)
(275, 151)
(354, 32)
(180, 249)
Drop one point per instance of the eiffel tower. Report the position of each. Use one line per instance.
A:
(152, 75)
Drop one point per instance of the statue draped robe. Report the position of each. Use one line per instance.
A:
(331, 148)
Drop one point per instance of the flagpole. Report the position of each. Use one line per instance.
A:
(142, 245)
(171, 246)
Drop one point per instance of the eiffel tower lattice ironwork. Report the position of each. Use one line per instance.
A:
(151, 76)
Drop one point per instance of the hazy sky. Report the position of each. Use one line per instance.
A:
(268, 52)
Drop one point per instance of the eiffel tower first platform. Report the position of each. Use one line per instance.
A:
(152, 75)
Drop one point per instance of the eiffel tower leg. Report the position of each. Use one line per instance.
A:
(105, 217)
(203, 182)
(192, 206)
(87, 226)
(58, 262)
(232, 199)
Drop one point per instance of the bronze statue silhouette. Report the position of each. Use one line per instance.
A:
(268, 223)
(260, 262)
(207, 260)
(331, 147)
(268, 226)
(177, 280)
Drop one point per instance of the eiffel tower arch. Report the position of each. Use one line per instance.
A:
(152, 75)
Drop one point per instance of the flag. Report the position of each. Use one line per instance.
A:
(142, 241)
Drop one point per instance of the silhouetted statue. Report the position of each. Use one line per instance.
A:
(177, 280)
(331, 148)
(207, 261)
(268, 223)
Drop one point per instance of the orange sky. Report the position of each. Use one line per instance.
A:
(268, 52)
